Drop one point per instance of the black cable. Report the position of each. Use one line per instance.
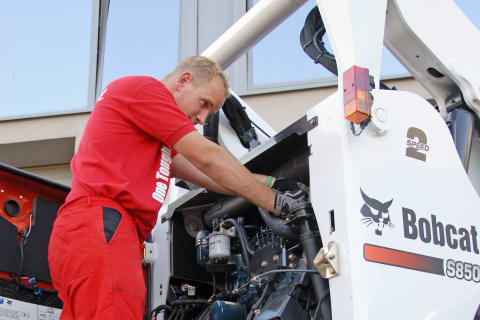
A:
(214, 285)
(20, 267)
(19, 273)
(268, 136)
(259, 302)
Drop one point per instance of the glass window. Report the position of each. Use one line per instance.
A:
(279, 57)
(471, 9)
(141, 39)
(45, 57)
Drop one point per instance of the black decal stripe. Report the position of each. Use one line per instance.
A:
(403, 259)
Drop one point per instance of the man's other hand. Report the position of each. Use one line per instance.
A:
(288, 202)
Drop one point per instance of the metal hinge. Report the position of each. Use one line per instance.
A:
(327, 262)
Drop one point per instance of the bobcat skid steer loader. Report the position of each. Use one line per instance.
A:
(392, 230)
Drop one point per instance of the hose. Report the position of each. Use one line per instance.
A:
(242, 235)
(228, 207)
(278, 226)
(243, 243)
(189, 301)
(317, 310)
(173, 315)
(157, 310)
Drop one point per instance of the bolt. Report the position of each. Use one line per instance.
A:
(381, 114)
(264, 264)
(291, 257)
(275, 258)
(291, 265)
(256, 312)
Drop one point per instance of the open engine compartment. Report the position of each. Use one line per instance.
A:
(232, 260)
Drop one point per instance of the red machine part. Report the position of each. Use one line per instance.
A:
(18, 189)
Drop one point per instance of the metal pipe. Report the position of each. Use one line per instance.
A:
(249, 29)
(311, 243)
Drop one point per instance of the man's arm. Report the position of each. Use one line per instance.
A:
(183, 169)
(221, 168)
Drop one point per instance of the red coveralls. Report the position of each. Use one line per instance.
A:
(121, 174)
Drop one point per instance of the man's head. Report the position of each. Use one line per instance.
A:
(199, 87)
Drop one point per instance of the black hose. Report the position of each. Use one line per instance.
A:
(189, 301)
(242, 235)
(259, 302)
(311, 41)
(243, 243)
(278, 226)
(180, 314)
(173, 315)
(227, 207)
(157, 310)
(19, 273)
(317, 310)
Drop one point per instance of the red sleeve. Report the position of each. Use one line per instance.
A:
(153, 110)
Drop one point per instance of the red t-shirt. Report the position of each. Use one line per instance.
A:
(126, 150)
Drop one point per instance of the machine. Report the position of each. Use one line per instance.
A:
(392, 229)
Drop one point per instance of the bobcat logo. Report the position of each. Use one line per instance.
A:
(381, 218)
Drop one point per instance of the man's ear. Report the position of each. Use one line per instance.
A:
(184, 79)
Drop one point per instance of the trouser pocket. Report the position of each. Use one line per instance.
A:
(111, 220)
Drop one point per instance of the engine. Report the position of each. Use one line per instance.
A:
(259, 266)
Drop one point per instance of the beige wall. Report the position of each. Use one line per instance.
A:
(44, 146)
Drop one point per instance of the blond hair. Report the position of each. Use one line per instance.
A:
(203, 70)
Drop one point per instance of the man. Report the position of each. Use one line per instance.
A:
(140, 133)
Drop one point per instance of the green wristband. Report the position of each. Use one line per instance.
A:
(268, 181)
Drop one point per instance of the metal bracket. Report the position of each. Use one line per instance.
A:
(149, 252)
(327, 261)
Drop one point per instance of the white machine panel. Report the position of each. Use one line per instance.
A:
(11, 309)
(405, 213)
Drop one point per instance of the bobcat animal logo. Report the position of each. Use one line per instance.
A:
(379, 217)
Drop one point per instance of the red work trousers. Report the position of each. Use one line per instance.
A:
(95, 261)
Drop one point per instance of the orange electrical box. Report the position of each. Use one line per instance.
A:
(356, 94)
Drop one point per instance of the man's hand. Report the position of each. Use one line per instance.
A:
(289, 202)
